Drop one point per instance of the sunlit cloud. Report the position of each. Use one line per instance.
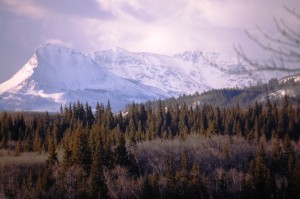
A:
(164, 27)
(25, 8)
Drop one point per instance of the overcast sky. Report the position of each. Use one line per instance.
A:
(158, 26)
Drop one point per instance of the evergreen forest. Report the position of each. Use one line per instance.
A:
(166, 150)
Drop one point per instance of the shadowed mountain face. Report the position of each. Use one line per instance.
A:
(57, 75)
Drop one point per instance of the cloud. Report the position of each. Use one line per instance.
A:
(164, 27)
(77, 9)
(202, 24)
(137, 12)
(24, 8)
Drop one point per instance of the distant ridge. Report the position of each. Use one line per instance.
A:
(57, 75)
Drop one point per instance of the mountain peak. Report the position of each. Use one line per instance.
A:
(189, 55)
(57, 75)
(118, 50)
(55, 48)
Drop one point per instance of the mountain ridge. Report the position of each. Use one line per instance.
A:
(57, 75)
(179, 74)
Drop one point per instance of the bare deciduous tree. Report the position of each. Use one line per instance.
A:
(121, 185)
(284, 48)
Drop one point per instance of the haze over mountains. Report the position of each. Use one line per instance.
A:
(57, 75)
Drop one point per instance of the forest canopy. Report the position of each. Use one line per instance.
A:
(166, 151)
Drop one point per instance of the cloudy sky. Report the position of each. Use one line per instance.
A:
(158, 26)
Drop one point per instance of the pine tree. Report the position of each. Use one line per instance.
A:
(52, 158)
(289, 164)
(109, 117)
(283, 119)
(257, 129)
(139, 134)
(160, 118)
(262, 178)
(99, 112)
(228, 128)
(131, 130)
(18, 148)
(46, 120)
(67, 158)
(6, 127)
(95, 133)
(143, 114)
(46, 180)
(151, 129)
(276, 155)
(97, 188)
(121, 152)
(37, 143)
(28, 139)
(80, 148)
(289, 156)
(107, 146)
(89, 115)
(212, 129)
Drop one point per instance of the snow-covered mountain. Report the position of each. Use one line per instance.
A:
(58, 75)
(185, 73)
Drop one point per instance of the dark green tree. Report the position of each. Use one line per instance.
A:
(97, 187)
(80, 148)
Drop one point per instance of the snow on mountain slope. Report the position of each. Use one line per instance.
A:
(184, 73)
(288, 86)
(57, 75)
(292, 78)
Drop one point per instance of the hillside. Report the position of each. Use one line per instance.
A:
(274, 90)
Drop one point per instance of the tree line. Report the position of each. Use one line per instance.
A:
(101, 160)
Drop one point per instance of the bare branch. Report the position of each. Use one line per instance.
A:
(287, 33)
(293, 32)
(284, 48)
(292, 11)
(268, 47)
(263, 66)
(296, 43)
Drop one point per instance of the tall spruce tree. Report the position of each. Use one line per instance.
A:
(97, 187)
(262, 178)
(80, 148)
